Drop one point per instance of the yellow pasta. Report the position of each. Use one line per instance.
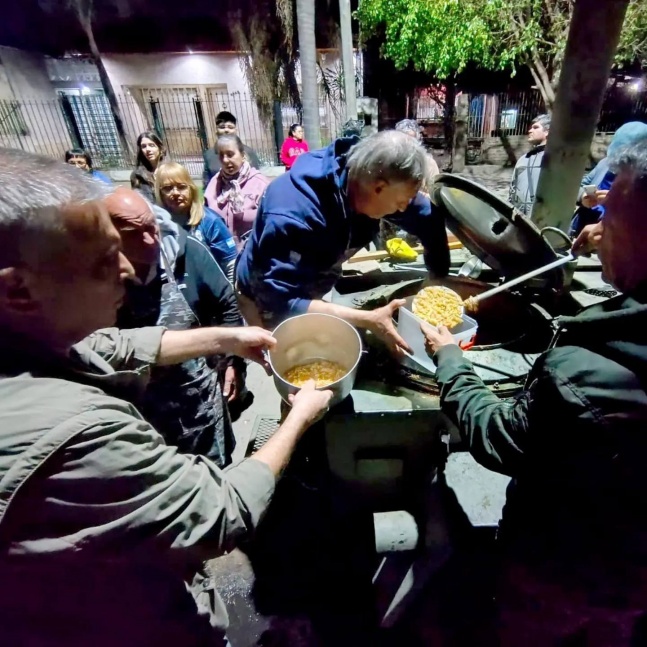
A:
(322, 371)
(438, 306)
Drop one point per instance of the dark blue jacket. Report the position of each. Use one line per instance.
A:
(213, 232)
(305, 226)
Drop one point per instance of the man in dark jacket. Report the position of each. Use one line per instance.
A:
(574, 527)
(317, 216)
(523, 185)
(226, 124)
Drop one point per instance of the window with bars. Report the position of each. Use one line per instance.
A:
(91, 124)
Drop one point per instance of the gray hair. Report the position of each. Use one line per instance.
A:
(33, 191)
(543, 121)
(408, 126)
(390, 156)
(632, 158)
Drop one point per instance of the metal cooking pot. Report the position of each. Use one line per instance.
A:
(308, 337)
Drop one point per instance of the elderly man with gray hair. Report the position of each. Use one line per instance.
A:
(523, 185)
(573, 536)
(317, 216)
(103, 527)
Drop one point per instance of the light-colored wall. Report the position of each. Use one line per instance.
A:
(198, 70)
(493, 151)
(26, 74)
(175, 69)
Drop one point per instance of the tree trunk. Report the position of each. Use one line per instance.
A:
(308, 58)
(449, 115)
(543, 81)
(107, 86)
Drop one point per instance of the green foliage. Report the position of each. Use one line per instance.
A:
(443, 36)
(440, 36)
(633, 40)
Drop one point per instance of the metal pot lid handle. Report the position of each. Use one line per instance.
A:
(559, 233)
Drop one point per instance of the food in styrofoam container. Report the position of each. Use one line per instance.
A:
(409, 329)
(438, 306)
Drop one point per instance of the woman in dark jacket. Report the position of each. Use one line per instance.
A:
(150, 154)
(181, 287)
(176, 192)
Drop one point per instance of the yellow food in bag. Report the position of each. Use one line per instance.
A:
(400, 250)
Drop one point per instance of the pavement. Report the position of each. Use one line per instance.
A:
(267, 402)
(492, 177)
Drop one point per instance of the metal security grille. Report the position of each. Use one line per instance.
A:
(11, 119)
(263, 430)
(91, 125)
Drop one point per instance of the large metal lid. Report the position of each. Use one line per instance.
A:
(492, 229)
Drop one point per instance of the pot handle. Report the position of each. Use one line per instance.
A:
(559, 233)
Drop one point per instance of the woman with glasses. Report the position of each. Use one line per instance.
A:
(178, 194)
(235, 192)
(82, 160)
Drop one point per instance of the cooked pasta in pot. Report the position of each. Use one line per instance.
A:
(322, 371)
(438, 306)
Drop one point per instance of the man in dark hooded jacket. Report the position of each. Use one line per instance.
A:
(574, 528)
(330, 205)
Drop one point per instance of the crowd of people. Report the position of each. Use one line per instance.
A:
(128, 316)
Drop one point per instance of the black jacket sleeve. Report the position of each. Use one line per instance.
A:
(217, 304)
(427, 223)
(494, 429)
(211, 166)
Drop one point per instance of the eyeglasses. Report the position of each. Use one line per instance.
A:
(169, 188)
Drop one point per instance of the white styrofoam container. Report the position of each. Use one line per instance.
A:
(409, 329)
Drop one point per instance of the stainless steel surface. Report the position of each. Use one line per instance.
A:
(523, 278)
(315, 336)
(493, 230)
(395, 531)
(472, 268)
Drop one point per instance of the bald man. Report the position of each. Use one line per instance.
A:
(187, 403)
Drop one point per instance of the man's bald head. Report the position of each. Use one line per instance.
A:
(134, 219)
(128, 208)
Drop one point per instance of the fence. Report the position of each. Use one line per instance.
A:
(511, 113)
(185, 118)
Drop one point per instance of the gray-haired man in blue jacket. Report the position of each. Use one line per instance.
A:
(320, 213)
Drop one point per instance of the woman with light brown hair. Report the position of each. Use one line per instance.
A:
(178, 194)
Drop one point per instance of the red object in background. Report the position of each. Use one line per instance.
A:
(291, 150)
